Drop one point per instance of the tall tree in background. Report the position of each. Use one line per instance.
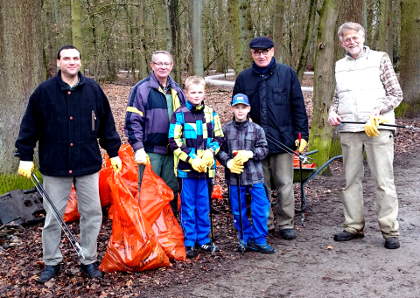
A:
(22, 70)
(410, 58)
(278, 30)
(76, 25)
(197, 37)
(385, 27)
(176, 39)
(321, 133)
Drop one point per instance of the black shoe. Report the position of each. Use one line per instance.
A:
(346, 236)
(392, 243)
(92, 270)
(263, 248)
(271, 231)
(287, 234)
(49, 272)
(242, 247)
(190, 252)
(209, 247)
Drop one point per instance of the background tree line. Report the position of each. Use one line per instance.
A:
(115, 35)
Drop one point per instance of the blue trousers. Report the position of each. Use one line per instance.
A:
(195, 209)
(260, 207)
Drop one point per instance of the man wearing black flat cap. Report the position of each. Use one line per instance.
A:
(277, 105)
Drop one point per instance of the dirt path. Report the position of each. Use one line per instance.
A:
(305, 267)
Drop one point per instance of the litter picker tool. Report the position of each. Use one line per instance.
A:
(57, 215)
(241, 232)
(210, 191)
(414, 129)
(302, 190)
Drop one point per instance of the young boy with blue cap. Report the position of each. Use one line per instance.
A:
(242, 152)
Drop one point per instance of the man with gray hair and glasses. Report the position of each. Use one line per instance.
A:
(149, 110)
(367, 91)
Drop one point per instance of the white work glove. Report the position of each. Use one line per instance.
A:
(140, 156)
(26, 168)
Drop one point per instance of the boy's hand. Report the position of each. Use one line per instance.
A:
(242, 156)
(207, 160)
(196, 165)
(234, 167)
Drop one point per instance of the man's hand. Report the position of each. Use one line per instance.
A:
(302, 145)
(372, 124)
(234, 167)
(196, 165)
(242, 156)
(334, 119)
(25, 168)
(116, 164)
(140, 156)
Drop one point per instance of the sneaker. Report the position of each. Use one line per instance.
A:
(287, 234)
(190, 252)
(243, 247)
(346, 236)
(392, 243)
(49, 272)
(263, 248)
(209, 247)
(92, 270)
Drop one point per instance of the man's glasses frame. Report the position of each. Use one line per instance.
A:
(161, 64)
(259, 52)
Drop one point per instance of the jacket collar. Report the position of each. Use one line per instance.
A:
(263, 71)
(155, 84)
(364, 54)
(194, 108)
(242, 124)
(64, 85)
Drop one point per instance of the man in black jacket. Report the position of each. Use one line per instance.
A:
(67, 114)
(277, 105)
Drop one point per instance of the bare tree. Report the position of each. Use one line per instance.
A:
(385, 27)
(197, 38)
(76, 25)
(278, 30)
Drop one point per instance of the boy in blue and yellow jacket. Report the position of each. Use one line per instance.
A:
(195, 136)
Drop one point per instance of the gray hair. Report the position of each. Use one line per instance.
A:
(161, 52)
(350, 26)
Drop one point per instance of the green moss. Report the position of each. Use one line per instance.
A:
(10, 182)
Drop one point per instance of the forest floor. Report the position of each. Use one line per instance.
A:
(312, 265)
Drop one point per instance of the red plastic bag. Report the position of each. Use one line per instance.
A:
(133, 245)
(104, 190)
(72, 213)
(217, 192)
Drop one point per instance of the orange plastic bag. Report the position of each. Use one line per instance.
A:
(72, 213)
(306, 166)
(170, 235)
(104, 190)
(217, 192)
(133, 245)
(154, 194)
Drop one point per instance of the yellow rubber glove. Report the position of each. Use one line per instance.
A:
(116, 164)
(372, 124)
(196, 164)
(242, 156)
(234, 167)
(207, 160)
(25, 168)
(302, 146)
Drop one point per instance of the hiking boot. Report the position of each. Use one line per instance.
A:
(392, 243)
(190, 252)
(263, 247)
(243, 247)
(92, 270)
(346, 236)
(209, 247)
(49, 272)
(287, 234)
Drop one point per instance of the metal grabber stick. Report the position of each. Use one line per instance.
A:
(210, 191)
(241, 232)
(302, 190)
(57, 215)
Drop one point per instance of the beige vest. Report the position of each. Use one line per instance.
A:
(360, 90)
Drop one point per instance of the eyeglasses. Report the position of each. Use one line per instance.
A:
(264, 52)
(351, 39)
(160, 64)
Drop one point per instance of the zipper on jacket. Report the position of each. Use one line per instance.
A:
(93, 119)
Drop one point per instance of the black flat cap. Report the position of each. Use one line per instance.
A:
(261, 42)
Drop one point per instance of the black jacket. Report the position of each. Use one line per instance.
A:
(277, 103)
(68, 123)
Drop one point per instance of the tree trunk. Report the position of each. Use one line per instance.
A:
(385, 27)
(233, 10)
(22, 70)
(278, 30)
(176, 40)
(143, 71)
(246, 30)
(307, 42)
(197, 37)
(76, 26)
(410, 58)
(324, 84)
